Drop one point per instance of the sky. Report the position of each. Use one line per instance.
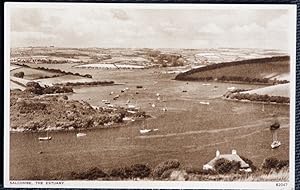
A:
(121, 27)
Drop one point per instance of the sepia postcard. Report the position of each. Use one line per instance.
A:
(149, 96)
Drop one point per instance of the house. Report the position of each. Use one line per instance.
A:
(231, 157)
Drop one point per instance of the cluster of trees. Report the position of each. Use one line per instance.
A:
(260, 98)
(35, 88)
(233, 78)
(134, 171)
(161, 171)
(224, 166)
(272, 163)
(165, 59)
(51, 61)
(19, 74)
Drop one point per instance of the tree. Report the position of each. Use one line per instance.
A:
(19, 74)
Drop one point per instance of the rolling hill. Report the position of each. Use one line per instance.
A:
(259, 70)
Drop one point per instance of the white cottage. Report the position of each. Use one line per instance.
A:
(231, 157)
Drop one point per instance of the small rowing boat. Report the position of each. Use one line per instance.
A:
(80, 134)
(275, 144)
(47, 138)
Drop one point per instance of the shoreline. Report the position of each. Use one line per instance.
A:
(256, 102)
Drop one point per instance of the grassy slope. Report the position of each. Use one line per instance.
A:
(260, 68)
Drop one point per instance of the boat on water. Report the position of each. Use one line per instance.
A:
(143, 131)
(206, 84)
(274, 130)
(47, 138)
(275, 144)
(204, 103)
(80, 134)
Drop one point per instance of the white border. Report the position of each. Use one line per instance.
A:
(148, 184)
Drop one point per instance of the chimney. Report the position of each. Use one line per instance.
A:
(217, 153)
(233, 152)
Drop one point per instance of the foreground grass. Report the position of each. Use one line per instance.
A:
(282, 175)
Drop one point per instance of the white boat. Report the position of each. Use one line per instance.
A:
(204, 103)
(153, 105)
(155, 130)
(80, 134)
(206, 84)
(143, 131)
(275, 144)
(47, 138)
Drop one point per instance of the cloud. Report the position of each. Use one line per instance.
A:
(210, 28)
(119, 14)
(105, 27)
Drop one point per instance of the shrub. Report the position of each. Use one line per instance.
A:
(134, 171)
(91, 174)
(273, 164)
(140, 170)
(164, 166)
(250, 163)
(223, 166)
(19, 74)
(200, 171)
(88, 76)
(33, 84)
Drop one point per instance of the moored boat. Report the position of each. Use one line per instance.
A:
(47, 138)
(275, 144)
(80, 134)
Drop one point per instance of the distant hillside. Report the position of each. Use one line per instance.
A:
(262, 70)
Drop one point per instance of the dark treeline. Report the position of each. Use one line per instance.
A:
(237, 78)
(93, 83)
(257, 97)
(164, 170)
(63, 72)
